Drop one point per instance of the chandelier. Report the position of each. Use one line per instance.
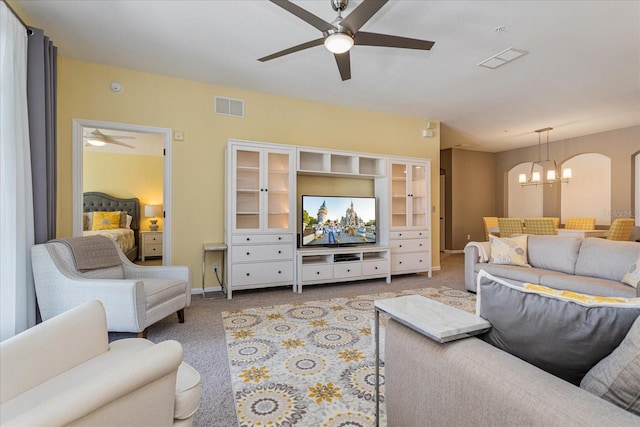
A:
(549, 166)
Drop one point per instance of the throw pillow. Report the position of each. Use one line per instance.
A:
(562, 335)
(616, 378)
(87, 221)
(509, 250)
(633, 275)
(129, 219)
(123, 220)
(106, 220)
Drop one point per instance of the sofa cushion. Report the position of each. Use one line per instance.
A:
(616, 378)
(564, 337)
(557, 253)
(606, 259)
(188, 391)
(632, 276)
(512, 272)
(508, 250)
(159, 291)
(586, 285)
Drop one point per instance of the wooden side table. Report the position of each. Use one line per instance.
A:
(438, 321)
(150, 244)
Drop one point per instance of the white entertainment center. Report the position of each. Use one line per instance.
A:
(262, 227)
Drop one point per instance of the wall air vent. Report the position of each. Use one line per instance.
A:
(229, 107)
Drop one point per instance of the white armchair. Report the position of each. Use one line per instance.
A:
(64, 372)
(133, 296)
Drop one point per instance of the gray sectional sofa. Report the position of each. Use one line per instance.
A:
(471, 383)
(592, 266)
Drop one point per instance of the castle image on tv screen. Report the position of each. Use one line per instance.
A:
(333, 220)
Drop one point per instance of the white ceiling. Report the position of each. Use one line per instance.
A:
(581, 75)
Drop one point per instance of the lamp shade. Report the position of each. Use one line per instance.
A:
(152, 210)
(338, 42)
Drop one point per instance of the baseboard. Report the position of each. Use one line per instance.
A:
(454, 251)
(198, 291)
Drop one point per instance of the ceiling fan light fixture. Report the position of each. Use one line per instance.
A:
(338, 43)
(96, 142)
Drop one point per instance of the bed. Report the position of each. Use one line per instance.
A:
(126, 234)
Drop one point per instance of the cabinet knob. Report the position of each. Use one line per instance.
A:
(420, 244)
(400, 262)
(399, 246)
(248, 239)
(400, 234)
(248, 274)
(279, 252)
(419, 260)
(248, 253)
(266, 189)
(375, 268)
(279, 238)
(279, 271)
(317, 272)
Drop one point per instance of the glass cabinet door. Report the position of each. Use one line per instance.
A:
(247, 189)
(418, 196)
(278, 191)
(399, 195)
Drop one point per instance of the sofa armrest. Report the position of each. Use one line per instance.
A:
(470, 382)
(471, 255)
(139, 390)
(51, 348)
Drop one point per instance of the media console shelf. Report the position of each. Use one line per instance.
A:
(329, 265)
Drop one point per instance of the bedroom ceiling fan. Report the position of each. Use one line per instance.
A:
(98, 139)
(341, 35)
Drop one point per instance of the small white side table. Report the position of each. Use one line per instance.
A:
(214, 247)
(436, 320)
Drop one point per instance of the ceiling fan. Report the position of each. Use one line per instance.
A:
(98, 139)
(340, 35)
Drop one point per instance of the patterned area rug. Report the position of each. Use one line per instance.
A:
(312, 363)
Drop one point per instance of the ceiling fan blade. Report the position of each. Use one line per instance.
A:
(110, 140)
(384, 40)
(344, 65)
(305, 15)
(362, 14)
(293, 49)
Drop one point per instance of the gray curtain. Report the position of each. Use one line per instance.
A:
(41, 99)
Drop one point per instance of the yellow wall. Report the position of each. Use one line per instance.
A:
(125, 176)
(198, 161)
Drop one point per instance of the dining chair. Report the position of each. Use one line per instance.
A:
(580, 223)
(621, 229)
(490, 222)
(540, 226)
(509, 226)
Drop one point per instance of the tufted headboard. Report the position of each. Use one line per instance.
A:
(95, 201)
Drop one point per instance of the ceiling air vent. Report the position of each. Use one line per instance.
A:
(229, 107)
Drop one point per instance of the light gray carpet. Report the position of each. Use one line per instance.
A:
(203, 340)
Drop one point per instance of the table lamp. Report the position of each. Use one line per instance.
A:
(152, 211)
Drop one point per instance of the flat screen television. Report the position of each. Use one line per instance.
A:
(338, 221)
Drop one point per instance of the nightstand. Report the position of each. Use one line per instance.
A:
(150, 244)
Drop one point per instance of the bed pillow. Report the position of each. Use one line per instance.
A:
(509, 250)
(128, 223)
(563, 333)
(123, 220)
(616, 377)
(106, 220)
(87, 221)
(633, 275)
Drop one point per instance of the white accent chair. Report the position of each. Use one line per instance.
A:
(65, 372)
(134, 297)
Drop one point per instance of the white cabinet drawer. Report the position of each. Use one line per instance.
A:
(153, 249)
(262, 273)
(409, 245)
(347, 269)
(411, 261)
(248, 239)
(370, 268)
(413, 234)
(261, 253)
(317, 272)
